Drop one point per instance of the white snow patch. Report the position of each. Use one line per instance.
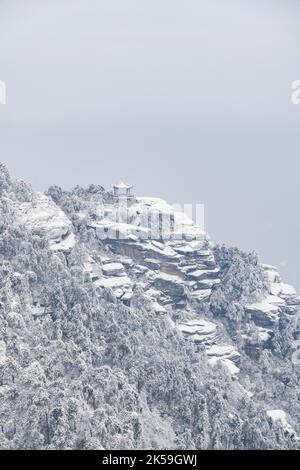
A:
(44, 217)
(112, 282)
(275, 288)
(64, 245)
(233, 369)
(264, 334)
(199, 326)
(203, 273)
(221, 350)
(286, 289)
(264, 307)
(201, 294)
(170, 278)
(280, 415)
(273, 299)
(113, 269)
(158, 308)
(127, 296)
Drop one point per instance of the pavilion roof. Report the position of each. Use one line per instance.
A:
(122, 185)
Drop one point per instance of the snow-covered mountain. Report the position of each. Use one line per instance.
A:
(122, 325)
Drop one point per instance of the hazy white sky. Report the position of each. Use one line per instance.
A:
(187, 99)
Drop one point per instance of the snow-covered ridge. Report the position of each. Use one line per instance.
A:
(160, 250)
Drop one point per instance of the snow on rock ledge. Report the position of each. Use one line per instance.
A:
(46, 219)
(223, 351)
(170, 253)
(203, 332)
(113, 282)
(199, 330)
(113, 269)
(284, 291)
(281, 417)
(265, 313)
(282, 299)
(232, 368)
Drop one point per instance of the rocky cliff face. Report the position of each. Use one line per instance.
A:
(146, 244)
(232, 312)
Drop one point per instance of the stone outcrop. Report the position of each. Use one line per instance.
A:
(199, 330)
(176, 260)
(205, 333)
(45, 218)
(282, 300)
(113, 269)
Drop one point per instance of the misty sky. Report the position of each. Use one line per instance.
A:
(189, 100)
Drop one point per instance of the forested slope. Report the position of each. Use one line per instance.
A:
(98, 348)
